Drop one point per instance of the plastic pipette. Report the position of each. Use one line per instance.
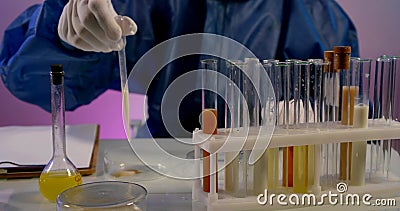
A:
(124, 86)
(124, 80)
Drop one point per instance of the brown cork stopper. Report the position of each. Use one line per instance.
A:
(328, 57)
(341, 58)
(209, 121)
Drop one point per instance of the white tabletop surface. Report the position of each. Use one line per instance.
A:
(163, 193)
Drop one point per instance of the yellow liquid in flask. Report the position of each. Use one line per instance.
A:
(52, 183)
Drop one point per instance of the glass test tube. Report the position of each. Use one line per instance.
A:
(243, 155)
(361, 102)
(272, 153)
(251, 85)
(332, 87)
(331, 116)
(384, 86)
(315, 98)
(236, 170)
(342, 63)
(361, 109)
(320, 156)
(269, 66)
(300, 153)
(316, 82)
(249, 98)
(396, 89)
(232, 124)
(395, 145)
(382, 112)
(209, 114)
(282, 87)
(291, 92)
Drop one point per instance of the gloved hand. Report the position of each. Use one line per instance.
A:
(93, 25)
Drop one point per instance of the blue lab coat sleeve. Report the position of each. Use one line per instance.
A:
(286, 29)
(31, 44)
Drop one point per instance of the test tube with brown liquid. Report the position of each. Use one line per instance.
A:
(342, 63)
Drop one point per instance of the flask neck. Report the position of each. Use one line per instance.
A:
(58, 120)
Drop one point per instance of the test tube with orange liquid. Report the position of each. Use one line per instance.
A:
(209, 115)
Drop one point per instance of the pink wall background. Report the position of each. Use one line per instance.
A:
(105, 110)
(378, 30)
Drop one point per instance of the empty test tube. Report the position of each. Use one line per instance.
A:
(332, 87)
(384, 87)
(331, 112)
(317, 68)
(251, 83)
(396, 88)
(383, 112)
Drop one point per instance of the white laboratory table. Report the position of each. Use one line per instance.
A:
(163, 193)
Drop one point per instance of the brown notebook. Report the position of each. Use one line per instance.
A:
(30, 147)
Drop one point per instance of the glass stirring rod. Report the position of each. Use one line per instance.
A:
(124, 81)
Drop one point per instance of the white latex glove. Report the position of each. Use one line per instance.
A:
(93, 25)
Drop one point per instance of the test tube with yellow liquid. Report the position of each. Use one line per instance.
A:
(301, 157)
(60, 173)
(272, 153)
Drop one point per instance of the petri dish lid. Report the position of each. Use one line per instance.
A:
(102, 195)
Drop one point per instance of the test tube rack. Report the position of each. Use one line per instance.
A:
(282, 138)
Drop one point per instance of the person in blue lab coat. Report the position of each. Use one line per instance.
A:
(280, 29)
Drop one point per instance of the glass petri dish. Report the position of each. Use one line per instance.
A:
(105, 195)
(121, 164)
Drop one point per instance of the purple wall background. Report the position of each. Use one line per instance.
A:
(105, 110)
(376, 22)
